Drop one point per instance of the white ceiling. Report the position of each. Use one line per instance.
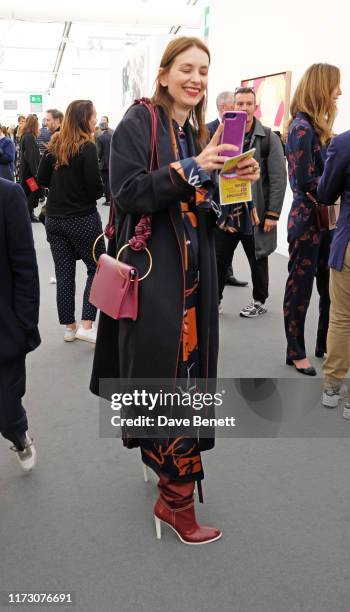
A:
(28, 50)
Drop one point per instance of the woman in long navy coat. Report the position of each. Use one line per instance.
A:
(176, 333)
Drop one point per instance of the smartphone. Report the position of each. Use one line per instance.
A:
(233, 132)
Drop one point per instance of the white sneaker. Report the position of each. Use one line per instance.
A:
(70, 334)
(52, 280)
(254, 309)
(346, 410)
(27, 457)
(89, 335)
(332, 396)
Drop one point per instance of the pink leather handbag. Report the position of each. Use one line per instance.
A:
(114, 289)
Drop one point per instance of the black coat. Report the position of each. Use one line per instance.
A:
(19, 287)
(149, 347)
(103, 145)
(30, 157)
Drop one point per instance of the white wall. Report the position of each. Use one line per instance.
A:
(95, 86)
(263, 37)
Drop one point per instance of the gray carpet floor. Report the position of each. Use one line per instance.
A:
(82, 521)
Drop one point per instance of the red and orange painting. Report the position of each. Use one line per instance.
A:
(272, 98)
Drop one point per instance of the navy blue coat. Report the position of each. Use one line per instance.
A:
(213, 126)
(335, 182)
(19, 286)
(7, 158)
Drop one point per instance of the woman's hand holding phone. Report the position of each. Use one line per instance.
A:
(210, 159)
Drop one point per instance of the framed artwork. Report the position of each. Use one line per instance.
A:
(272, 98)
(134, 77)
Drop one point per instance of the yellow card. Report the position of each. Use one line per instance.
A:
(233, 189)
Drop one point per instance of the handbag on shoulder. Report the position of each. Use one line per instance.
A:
(115, 287)
(32, 184)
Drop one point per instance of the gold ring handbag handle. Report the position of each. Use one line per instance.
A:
(94, 248)
(150, 260)
(118, 255)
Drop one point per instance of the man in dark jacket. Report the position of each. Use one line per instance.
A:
(19, 311)
(225, 102)
(268, 196)
(103, 144)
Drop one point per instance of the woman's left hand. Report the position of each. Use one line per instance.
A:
(248, 169)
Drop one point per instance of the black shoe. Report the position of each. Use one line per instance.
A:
(233, 282)
(310, 371)
(320, 354)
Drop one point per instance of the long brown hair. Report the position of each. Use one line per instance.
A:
(31, 126)
(161, 96)
(313, 96)
(4, 130)
(74, 132)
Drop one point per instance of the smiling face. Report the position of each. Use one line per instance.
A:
(187, 78)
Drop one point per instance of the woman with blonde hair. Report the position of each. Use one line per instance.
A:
(69, 169)
(313, 111)
(176, 333)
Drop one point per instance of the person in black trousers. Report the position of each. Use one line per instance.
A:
(70, 170)
(103, 145)
(225, 101)
(19, 313)
(259, 239)
(30, 159)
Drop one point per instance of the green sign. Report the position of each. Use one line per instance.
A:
(36, 99)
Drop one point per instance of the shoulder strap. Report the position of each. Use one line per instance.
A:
(143, 229)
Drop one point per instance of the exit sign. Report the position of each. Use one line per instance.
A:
(36, 99)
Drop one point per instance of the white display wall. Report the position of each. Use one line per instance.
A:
(133, 73)
(259, 38)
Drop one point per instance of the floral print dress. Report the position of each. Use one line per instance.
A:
(308, 247)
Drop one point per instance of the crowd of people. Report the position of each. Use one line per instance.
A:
(158, 171)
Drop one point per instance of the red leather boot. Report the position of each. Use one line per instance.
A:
(175, 506)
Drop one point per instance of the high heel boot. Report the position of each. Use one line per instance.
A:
(175, 506)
